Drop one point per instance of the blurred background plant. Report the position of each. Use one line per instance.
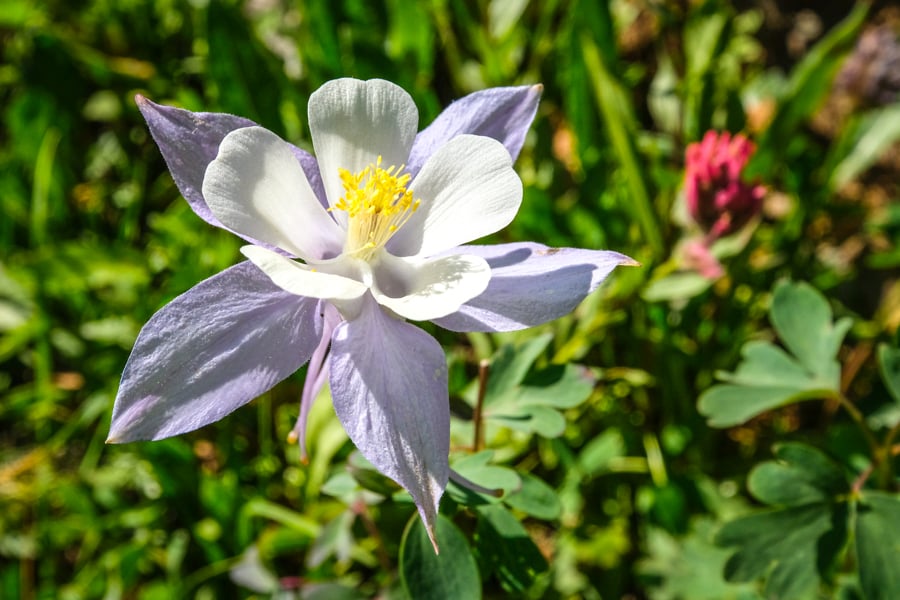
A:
(615, 485)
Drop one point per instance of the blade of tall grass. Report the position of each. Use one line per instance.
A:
(621, 127)
(40, 191)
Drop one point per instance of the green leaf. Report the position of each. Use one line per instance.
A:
(678, 286)
(477, 469)
(535, 498)
(506, 549)
(542, 420)
(766, 365)
(330, 591)
(559, 386)
(803, 320)
(336, 539)
(600, 451)
(529, 403)
(510, 365)
(260, 508)
(791, 547)
(803, 475)
(449, 575)
(878, 545)
(691, 566)
(705, 39)
(730, 405)
(767, 376)
(368, 477)
(875, 134)
(889, 364)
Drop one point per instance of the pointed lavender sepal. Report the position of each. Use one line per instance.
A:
(189, 141)
(389, 386)
(531, 284)
(502, 113)
(211, 350)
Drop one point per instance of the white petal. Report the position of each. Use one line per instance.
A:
(422, 290)
(256, 186)
(353, 122)
(468, 190)
(300, 279)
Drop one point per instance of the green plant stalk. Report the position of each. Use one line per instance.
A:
(886, 464)
(484, 368)
(881, 452)
(621, 128)
(40, 191)
(858, 418)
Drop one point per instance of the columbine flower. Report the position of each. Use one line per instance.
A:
(343, 248)
(717, 199)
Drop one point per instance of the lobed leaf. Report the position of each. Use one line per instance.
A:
(531, 403)
(803, 475)
(768, 377)
(803, 320)
(792, 546)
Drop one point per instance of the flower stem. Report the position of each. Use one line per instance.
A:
(484, 368)
(860, 420)
(361, 510)
(889, 451)
(882, 453)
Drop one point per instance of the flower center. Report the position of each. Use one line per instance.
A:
(377, 204)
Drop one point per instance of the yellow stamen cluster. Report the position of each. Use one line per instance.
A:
(377, 204)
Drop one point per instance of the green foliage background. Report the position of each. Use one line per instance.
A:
(627, 495)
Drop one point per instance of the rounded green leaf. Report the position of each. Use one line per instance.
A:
(535, 498)
(449, 575)
(803, 320)
(802, 475)
(878, 545)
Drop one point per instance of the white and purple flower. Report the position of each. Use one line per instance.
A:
(343, 249)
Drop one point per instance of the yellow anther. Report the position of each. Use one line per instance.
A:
(377, 203)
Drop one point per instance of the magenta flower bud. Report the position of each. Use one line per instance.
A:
(717, 199)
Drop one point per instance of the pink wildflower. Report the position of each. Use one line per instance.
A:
(717, 199)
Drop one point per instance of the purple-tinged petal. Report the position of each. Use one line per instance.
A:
(189, 141)
(502, 113)
(531, 284)
(316, 375)
(311, 170)
(211, 350)
(389, 387)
